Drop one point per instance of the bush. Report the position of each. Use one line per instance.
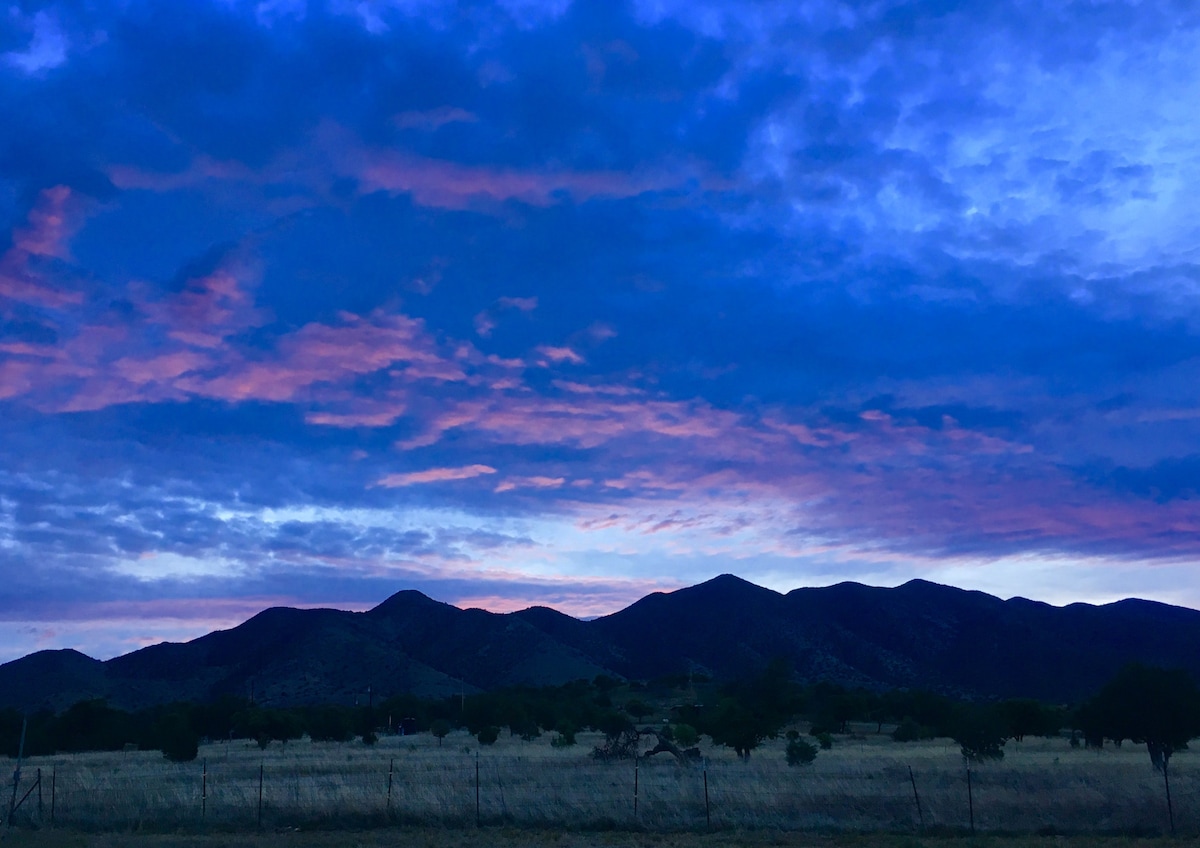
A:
(907, 731)
(369, 738)
(824, 740)
(488, 735)
(800, 753)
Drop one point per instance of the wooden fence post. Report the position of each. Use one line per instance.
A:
(260, 794)
(707, 815)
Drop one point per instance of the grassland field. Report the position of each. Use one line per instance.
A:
(858, 793)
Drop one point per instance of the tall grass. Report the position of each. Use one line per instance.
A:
(862, 784)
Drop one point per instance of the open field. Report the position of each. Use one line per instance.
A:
(862, 784)
(510, 837)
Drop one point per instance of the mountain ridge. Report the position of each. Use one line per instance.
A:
(917, 635)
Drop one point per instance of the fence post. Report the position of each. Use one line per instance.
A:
(477, 820)
(916, 797)
(12, 807)
(39, 786)
(260, 794)
(1167, 784)
(636, 761)
(391, 770)
(204, 788)
(707, 816)
(53, 792)
(970, 797)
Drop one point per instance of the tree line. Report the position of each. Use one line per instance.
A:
(1156, 707)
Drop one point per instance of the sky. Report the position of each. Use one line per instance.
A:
(565, 302)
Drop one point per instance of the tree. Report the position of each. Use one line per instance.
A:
(740, 727)
(488, 735)
(176, 738)
(330, 724)
(980, 732)
(440, 728)
(1155, 706)
(1027, 717)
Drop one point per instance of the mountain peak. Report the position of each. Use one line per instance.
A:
(405, 601)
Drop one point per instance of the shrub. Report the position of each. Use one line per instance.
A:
(824, 740)
(369, 738)
(488, 735)
(800, 753)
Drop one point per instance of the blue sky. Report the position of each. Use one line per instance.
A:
(566, 302)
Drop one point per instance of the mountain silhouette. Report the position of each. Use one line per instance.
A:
(919, 635)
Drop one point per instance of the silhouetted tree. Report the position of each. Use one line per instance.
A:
(176, 738)
(440, 728)
(1159, 707)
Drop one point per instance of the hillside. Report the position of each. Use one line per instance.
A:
(916, 635)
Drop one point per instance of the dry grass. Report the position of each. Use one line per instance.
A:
(861, 785)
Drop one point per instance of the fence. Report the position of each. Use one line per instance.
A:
(234, 786)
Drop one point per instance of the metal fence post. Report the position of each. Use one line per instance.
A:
(636, 761)
(970, 797)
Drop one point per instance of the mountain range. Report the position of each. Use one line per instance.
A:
(918, 635)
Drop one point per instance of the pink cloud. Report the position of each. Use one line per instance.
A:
(559, 354)
(433, 475)
(381, 418)
(536, 482)
(201, 169)
(523, 304)
(47, 231)
(332, 354)
(51, 224)
(210, 308)
(451, 185)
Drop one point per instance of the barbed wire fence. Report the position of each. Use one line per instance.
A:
(474, 788)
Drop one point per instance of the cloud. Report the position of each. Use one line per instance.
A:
(433, 475)
(820, 292)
